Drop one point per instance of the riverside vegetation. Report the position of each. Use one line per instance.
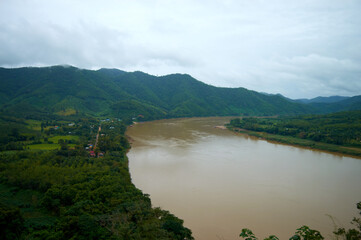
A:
(337, 132)
(65, 193)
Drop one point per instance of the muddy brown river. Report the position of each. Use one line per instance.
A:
(219, 182)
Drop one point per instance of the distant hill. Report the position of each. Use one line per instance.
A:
(332, 104)
(351, 103)
(332, 99)
(66, 90)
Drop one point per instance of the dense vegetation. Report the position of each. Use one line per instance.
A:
(342, 129)
(66, 193)
(66, 91)
(349, 104)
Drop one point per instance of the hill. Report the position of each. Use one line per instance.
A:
(333, 104)
(66, 90)
(331, 99)
(324, 105)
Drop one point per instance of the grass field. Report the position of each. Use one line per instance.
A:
(44, 146)
(55, 139)
(47, 146)
(67, 112)
(34, 124)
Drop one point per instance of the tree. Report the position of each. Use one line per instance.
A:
(11, 223)
(303, 233)
(351, 234)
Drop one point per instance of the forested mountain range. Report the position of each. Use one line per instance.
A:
(66, 90)
(331, 99)
(349, 104)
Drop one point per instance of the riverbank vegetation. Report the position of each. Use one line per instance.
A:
(73, 191)
(337, 132)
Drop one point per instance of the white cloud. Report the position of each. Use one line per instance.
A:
(307, 76)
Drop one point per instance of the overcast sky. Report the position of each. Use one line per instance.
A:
(297, 48)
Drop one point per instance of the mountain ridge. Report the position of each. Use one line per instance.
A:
(113, 92)
(320, 99)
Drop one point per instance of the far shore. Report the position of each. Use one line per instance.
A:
(304, 143)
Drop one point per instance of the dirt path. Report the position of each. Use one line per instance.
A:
(96, 139)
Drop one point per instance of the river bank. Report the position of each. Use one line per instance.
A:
(309, 144)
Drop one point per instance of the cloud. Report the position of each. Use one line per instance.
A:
(306, 48)
(307, 76)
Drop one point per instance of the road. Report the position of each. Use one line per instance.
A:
(96, 139)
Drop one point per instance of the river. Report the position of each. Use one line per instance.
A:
(219, 182)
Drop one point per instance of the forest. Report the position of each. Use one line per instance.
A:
(63, 192)
(341, 131)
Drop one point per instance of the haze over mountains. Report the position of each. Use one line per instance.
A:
(66, 90)
(331, 99)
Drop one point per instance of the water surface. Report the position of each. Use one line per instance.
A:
(219, 182)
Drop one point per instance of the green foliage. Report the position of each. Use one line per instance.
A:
(272, 237)
(305, 233)
(89, 197)
(247, 234)
(11, 222)
(354, 233)
(343, 129)
(57, 92)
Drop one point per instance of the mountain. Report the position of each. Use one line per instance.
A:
(331, 99)
(66, 90)
(351, 103)
(332, 104)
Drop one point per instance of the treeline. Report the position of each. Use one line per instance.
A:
(342, 128)
(66, 194)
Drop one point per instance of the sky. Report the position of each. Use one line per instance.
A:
(300, 49)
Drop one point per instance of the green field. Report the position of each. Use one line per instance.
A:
(67, 112)
(47, 146)
(44, 146)
(55, 139)
(33, 124)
